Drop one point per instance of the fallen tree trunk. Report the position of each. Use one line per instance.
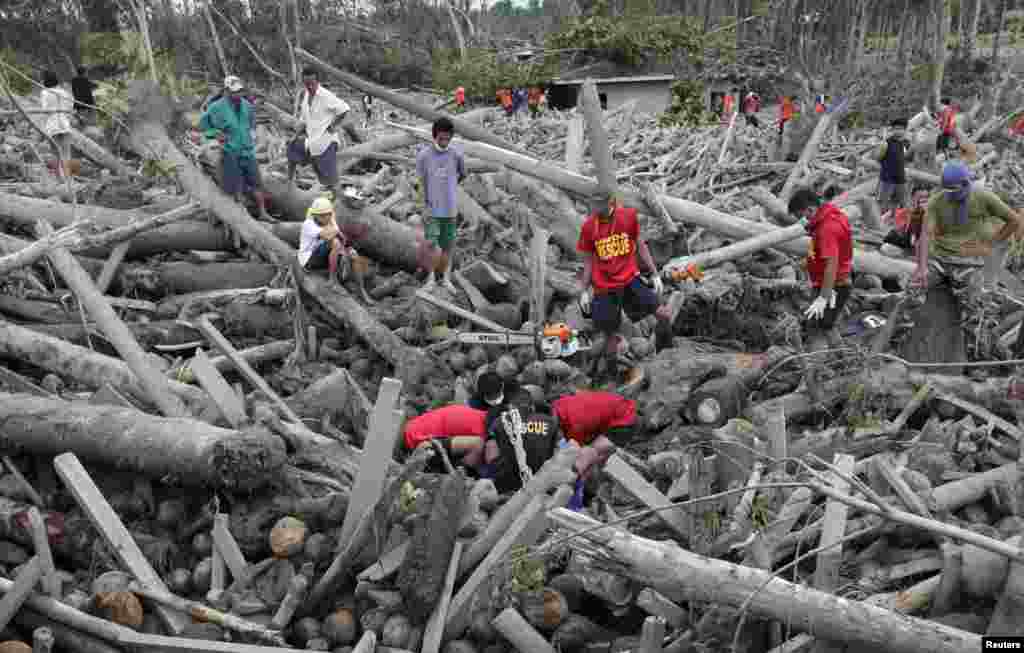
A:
(685, 576)
(810, 149)
(462, 125)
(738, 250)
(148, 334)
(179, 278)
(682, 210)
(549, 203)
(83, 365)
(89, 297)
(154, 446)
(26, 210)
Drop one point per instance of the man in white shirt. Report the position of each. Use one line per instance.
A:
(320, 114)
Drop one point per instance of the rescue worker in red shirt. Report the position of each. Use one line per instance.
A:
(596, 421)
(751, 105)
(460, 99)
(786, 110)
(533, 99)
(829, 266)
(611, 283)
(461, 429)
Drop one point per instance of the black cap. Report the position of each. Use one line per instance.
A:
(490, 388)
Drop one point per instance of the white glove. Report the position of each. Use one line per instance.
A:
(817, 308)
(659, 285)
(584, 301)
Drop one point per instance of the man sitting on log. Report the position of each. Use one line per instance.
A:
(230, 120)
(460, 429)
(611, 283)
(962, 233)
(441, 168)
(829, 265)
(321, 242)
(320, 114)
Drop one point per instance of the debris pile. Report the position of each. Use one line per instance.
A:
(204, 442)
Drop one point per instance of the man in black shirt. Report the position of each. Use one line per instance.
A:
(525, 440)
(82, 88)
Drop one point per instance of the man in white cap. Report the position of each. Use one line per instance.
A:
(320, 114)
(230, 120)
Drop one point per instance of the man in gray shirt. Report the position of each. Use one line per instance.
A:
(441, 167)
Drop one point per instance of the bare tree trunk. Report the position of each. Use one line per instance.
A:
(862, 31)
(972, 30)
(707, 15)
(458, 30)
(851, 45)
(939, 56)
(1001, 22)
(905, 32)
(222, 61)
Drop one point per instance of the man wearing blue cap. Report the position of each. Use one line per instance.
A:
(966, 228)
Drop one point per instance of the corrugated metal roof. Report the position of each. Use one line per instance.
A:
(636, 79)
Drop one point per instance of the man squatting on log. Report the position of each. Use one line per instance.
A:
(829, 265)
(961, 234)
(513, 437)
(231, 120)
(611, 282)
(316, 142)
(322, 245)
(440, 167)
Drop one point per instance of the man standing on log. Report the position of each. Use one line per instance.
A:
(82, 88)
(829, 266)
(320, 114)
(892, 179)
(962, 233)
(231, 121)
(57, 125)
(611, 283)
(441, 167)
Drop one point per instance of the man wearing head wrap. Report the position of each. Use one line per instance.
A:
(965, 229)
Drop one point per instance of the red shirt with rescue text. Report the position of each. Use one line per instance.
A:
(613, 246)
(445, 422)
(831, 238)
(587, 414)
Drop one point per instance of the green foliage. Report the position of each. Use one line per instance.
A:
(407, 496)
(19, 85)
(100, 48)
(760, 512)
(527, 573)
(687, 108)
(482, 74)
(632, 39)
(159, 169)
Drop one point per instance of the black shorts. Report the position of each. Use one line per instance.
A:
(828, 320)
(637, 299)
(320, 257)
(943, 142)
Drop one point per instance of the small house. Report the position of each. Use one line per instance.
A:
(652, 93)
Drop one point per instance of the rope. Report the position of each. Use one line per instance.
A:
(516, 429)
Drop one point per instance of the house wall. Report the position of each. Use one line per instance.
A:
(651, 97)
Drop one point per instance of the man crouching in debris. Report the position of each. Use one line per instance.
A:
(611, 283)
(829, 266)
(962, 233)
(461, 430)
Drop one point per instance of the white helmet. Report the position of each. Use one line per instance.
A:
(320, 206)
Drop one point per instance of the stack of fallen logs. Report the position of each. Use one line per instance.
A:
(173, 485)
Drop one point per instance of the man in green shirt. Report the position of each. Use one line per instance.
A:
(230, 120)
(964, 241)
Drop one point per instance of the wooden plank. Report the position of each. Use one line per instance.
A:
(117, 537)
(217, 387)
(458, 311)
(26, 581)
(385, 426)
(983, 414)
(386, 565)
(161, 643)
(224, 345)
(19, 383)
(26, 487)
(111, 264)
(218, 577)
(520, 633)
(524, 531)
(133, 304)
(107, 395)
(228, 547)
(41, 542)
(826, 573)
(434, 630)
(646, 493)
(657, 604)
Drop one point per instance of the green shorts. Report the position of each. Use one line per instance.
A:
(441, 232)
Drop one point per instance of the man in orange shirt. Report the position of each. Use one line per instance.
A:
(533, 99)
(785, 113)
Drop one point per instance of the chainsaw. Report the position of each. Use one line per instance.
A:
(553, 341)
